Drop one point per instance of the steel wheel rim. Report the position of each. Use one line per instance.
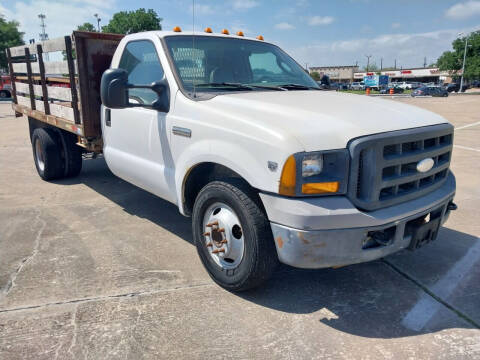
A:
(39, 155)
(223, 236)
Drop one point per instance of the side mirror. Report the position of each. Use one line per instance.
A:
(114, 91)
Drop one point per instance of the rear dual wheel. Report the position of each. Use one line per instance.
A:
(55, 154)
(233, 236)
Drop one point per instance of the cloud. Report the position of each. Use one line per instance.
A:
(396, 25)
(244, 4)
(202, 9)
(463, 10)
(320, 20)
(284, 26)
(408, 49)
(62, 17)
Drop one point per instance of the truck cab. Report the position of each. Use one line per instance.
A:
(236, 134)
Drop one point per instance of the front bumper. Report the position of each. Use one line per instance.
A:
(329, 231)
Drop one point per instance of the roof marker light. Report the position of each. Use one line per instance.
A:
(225, 32)
(208, 30)
(177, 29)
(240, 33)
(260, 37)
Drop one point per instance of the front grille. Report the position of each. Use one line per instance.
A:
(384, 166)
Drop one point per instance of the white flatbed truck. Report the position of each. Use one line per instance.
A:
(236, 134)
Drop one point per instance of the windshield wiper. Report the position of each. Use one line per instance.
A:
(298, 87)
(240, 86)
(234, 86)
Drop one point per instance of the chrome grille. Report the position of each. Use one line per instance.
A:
(384, 166)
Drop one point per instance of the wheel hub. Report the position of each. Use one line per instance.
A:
(223, 236)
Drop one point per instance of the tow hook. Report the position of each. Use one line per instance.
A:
(452, 206)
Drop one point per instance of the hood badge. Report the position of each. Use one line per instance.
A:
(425, 165)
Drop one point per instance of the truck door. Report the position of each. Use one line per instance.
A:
(136, 146)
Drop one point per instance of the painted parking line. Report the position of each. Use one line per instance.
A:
(467, 126)
(466, 148)
(426, 307)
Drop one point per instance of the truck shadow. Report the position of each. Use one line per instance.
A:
(368, 300)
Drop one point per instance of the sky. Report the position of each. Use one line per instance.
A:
(314, 32)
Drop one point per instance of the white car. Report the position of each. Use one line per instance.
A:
(357, 86)
(403, 85)
(236, 134)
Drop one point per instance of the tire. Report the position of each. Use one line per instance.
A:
(72, 154)
(46, 147)
(250, 255)
(3, 94)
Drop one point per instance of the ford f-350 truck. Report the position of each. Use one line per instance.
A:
(236, 134)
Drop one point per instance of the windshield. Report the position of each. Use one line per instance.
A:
(220, 64)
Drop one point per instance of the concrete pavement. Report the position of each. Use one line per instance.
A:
(96, 268)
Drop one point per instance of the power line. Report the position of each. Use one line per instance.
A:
(368, 60)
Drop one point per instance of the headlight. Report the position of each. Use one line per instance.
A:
(312, 164)
(314, 173)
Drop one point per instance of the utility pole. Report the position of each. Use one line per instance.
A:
(368, 60)
(464, 58)
(395, 66)
(425, 62)
(381, 64)
(43, 34)
(98, 22)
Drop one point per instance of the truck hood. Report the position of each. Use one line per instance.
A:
(322, 120)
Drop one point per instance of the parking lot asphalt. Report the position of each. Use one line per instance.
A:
(96, 268)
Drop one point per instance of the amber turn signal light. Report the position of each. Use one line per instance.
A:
(177, 29)
(239, 33)
(321, 188)
(225, 32)
(288, 179)
(208, 30)
(260, 37)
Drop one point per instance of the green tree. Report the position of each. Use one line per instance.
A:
(9, 36)
(86, 27)
(453, 60)
(371, 67)
(315, 75)
(129, 22)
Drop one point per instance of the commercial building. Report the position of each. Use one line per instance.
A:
(414, 74)
(336, 73)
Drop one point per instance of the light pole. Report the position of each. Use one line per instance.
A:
(464, 58)
(368, 60)
(98, 22)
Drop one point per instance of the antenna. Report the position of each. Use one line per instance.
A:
(193, 48)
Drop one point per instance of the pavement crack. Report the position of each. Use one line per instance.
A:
(75, 330)
(106, 297)
(25, 261)
(437, 298)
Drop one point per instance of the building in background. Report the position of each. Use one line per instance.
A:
(423, 75)
(336, 73)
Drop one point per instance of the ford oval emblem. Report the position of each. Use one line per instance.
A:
(425, 165)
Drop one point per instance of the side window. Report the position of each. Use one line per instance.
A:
(141, 61)
(266, 65)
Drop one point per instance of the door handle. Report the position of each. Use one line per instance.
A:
(180, 131)
(108, 118)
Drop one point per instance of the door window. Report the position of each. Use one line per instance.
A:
(140, 60)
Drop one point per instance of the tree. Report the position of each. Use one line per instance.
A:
(87, 27)
(129, 22)
(9, 36)
(315, 75)
(371, 67)
(453, 60)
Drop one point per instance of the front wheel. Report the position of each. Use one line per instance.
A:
(233, 236)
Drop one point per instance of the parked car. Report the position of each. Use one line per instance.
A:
(476, 84)
(396, 90)
(455, 87)
(268, 167)
(5, 87)
(416, 85)
(403, 85)
(430, 91)
(357, 86)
